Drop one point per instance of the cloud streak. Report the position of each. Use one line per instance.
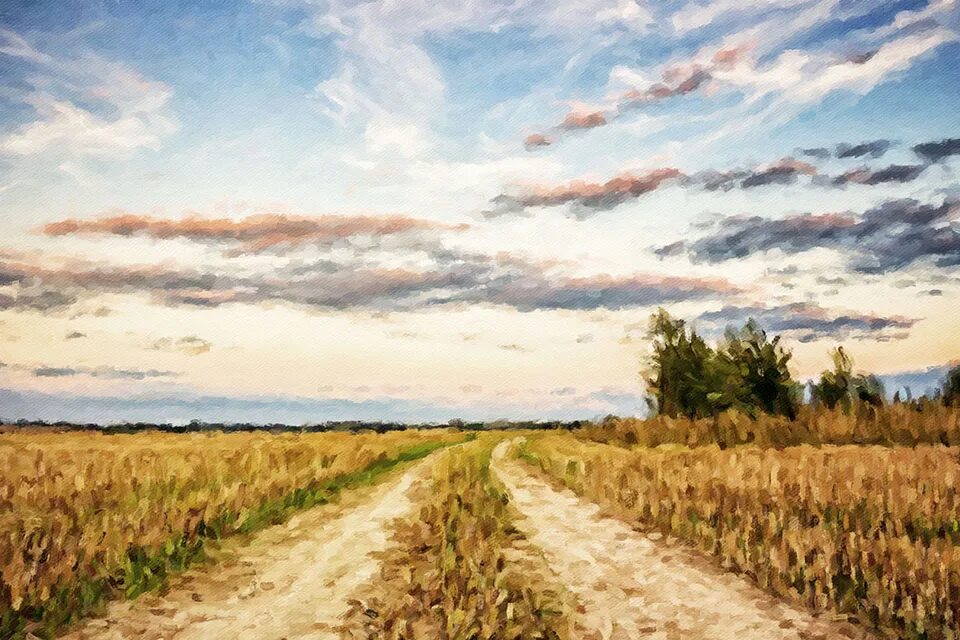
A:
(937, 151)
(888, 237)
(452, 278)
(586, 197)
(254, 234)
(675, 80)
(808, 322)
(106, 373)
(189, 345)
(85, 105)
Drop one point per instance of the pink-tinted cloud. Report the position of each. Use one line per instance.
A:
(254, 234)
(535, 140)
(676, 80)
(587, 197)
(689, 81)
(583, 120)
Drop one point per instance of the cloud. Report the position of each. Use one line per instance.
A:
(533, 291)
(75, 335)
(888, 237)
(683, 82)
(782, 172)
(35, 300)
(107, 373)
(587, 198)
(808, 322)
(862, 57)
(676, 80)
(771, 83)
(937, 151)
(85, 105)
(254, 234)
(515, 348)
(452, 277)
(893, 173)
(821, 153)
(845, 150)
(874, 149)
(384, 69)
(581, 120)
(535, 140)
(190, 345)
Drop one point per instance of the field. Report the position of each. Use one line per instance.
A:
(832, 525)
(89, 515)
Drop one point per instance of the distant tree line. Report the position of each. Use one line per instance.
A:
(352, 426)
(749, 372)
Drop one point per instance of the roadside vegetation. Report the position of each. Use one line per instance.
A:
(461, 570)
(868, 531)
(85, 517)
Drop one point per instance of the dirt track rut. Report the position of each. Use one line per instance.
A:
(631, 585)
(291, 581)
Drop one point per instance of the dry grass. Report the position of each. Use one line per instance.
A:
(85, 516)
(461, 571)
(865, 530)
(898, 424)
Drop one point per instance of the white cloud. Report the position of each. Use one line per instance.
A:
(386, 71)
(696, 15)
(804, 78)
(130, 110)
(62, 124)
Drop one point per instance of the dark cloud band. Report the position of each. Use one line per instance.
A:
(885, 238)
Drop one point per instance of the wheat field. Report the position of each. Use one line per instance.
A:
(840, 534)
(87, 514)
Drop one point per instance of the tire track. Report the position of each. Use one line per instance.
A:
(631, 585)
(291, 581)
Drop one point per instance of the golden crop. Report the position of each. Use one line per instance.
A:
(461, 570)
(82, 514)
(867, 530)
(897, 424)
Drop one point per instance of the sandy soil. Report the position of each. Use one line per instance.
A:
(631, 585)
(289, 581)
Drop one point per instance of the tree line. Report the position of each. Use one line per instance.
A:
(749, 372)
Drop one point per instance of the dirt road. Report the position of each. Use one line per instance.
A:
(290, 581)
(631, 585)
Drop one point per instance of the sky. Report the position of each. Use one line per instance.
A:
(307, 210)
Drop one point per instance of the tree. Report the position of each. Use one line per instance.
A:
(869, 389)
(844, 388)
(950, 389)
(684, 373)
(759, 369)
(834, 386)
(746, 371)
